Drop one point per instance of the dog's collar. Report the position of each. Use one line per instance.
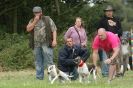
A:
(81, 63)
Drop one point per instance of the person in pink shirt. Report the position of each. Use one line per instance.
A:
(77, 33)
(109, 43)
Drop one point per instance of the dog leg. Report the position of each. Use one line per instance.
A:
(127, 61)
(121, 69)
(80, 78)
(87, 78)
(65, 76)
(54, 79)
(50, 78)
(128, 67)
(94, 74)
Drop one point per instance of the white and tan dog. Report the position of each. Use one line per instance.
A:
(83, 73)
(54, 74)
(85, 70)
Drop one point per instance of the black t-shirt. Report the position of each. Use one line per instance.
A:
(111, 24)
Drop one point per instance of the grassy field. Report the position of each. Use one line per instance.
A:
(26, 79)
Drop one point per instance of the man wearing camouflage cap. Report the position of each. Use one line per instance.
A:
(42, 41)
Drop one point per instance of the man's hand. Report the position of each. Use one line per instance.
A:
(108, 61)
(54, 43)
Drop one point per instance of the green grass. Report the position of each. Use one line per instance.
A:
(26, 79)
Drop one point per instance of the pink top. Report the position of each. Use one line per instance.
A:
(72, 33)
(112, 41)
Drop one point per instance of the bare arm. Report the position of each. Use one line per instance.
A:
(95, 56)
(85, 41)
(54, 35)
(54, 39)
(115, 54)
(54, 32)
(31, 25)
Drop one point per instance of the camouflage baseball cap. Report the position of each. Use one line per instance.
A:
(37, 9)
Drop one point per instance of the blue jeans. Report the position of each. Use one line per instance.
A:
(43, 58)
(74, 73)
(104, 67)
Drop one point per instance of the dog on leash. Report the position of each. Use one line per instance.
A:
(125, 50)
(84, 72)
(54, 74)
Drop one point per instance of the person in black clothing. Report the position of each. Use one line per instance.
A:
(67, 58)
(110, 23)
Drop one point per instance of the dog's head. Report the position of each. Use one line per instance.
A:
(125, 38)
(51, 69)
(77, 60)
(124, 41)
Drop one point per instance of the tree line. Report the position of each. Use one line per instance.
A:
(15, 14)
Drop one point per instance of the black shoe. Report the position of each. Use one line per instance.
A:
(39, 78)
(105, 75)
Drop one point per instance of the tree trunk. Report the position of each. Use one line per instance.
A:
(57, 7)
(15, 21)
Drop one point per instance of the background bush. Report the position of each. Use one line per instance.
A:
(14, 52)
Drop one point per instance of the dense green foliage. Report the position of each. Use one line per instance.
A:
(15, 14)
(14, 52)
